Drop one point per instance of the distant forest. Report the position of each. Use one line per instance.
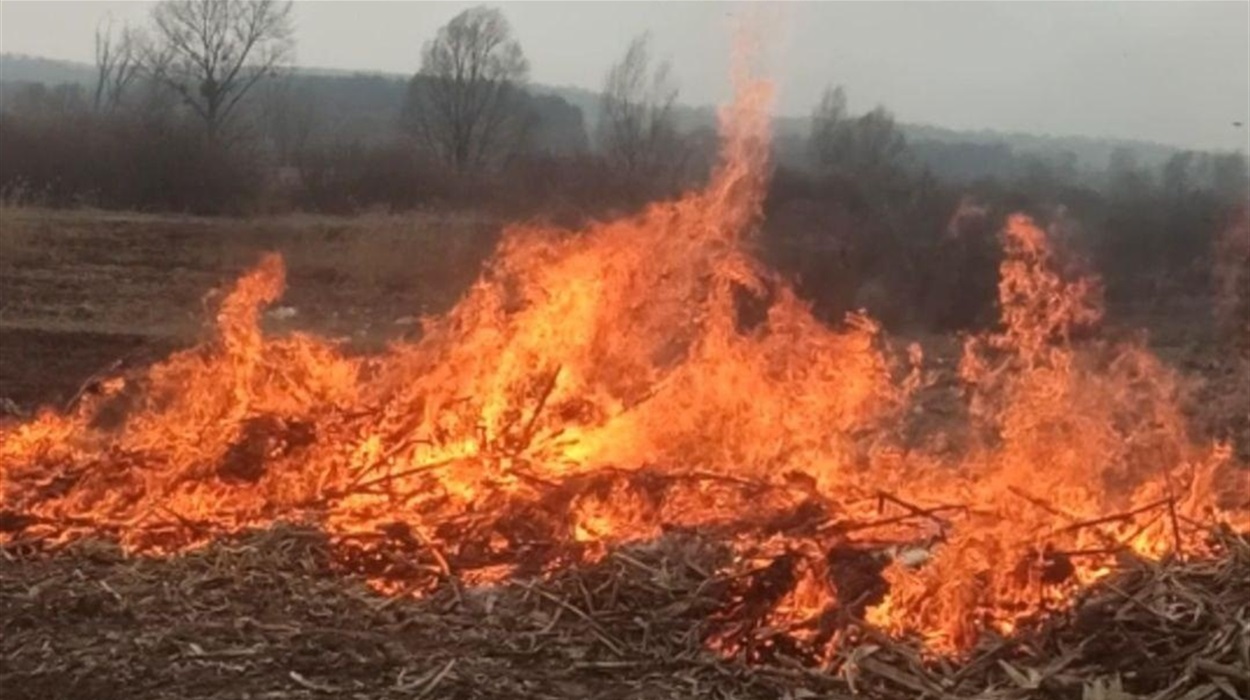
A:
(362, 106)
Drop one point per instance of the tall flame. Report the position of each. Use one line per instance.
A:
(595, 386)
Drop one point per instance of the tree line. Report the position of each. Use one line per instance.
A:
(205, 87)
(870, 223)
(198, 110)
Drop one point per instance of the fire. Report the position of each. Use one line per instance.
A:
(600, 386)
(1086, 457)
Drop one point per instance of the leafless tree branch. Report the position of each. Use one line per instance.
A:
(637, 130)
(117, 64)
(464, 104)
(211, 53)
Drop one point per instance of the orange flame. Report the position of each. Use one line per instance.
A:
(594, 386)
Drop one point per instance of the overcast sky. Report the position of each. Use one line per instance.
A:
(1172, 72)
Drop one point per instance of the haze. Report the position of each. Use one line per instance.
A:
(1176, 73)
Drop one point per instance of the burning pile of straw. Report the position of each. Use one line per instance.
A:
(630, 463)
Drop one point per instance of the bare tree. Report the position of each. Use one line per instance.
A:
(212, 52)
(880, 147)
(290, 117)
(117, 61)
(1177, 177)
(830, 131)
(1230, 177)
(870, 147)
(636, 125)
(1127, 179)
(465, 103)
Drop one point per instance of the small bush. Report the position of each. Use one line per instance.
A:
(118, 162)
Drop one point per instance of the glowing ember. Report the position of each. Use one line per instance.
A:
(599, 386)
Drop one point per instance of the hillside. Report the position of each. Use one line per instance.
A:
(363, 104)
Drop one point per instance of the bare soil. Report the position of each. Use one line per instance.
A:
(267, 615)
(81, 291)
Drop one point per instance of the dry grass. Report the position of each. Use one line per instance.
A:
(146, 274)
(271, 615)
(82, 289)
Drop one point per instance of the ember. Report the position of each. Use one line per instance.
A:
(598, 389)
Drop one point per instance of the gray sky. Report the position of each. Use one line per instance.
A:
(1173, 72)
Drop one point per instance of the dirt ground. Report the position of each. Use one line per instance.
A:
(80, 291)
(268, 615)
(265, 616)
